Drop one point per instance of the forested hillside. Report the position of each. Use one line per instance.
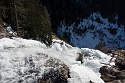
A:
(28, 18)
(74, 10)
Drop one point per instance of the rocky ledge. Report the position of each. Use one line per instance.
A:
(115, 74)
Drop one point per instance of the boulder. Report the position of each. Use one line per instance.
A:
(57, 72)
(115, 81)
(108, 77)
(104, 70)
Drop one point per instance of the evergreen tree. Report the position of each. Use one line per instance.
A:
(37, 22)
(28, 18)
(3, 10)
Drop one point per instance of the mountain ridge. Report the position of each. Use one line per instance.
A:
(93, 30)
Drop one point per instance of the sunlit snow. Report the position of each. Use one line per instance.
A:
(19, 56)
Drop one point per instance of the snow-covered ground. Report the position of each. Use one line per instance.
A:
(93, 30)
(19, 56)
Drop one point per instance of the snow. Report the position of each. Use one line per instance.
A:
(60, 45)
(9, 29)
(92, 30)
(18, 42)
(18, 57)
(83, 75)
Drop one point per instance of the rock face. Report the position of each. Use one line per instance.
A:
(58, 72)
(120, 59)
(112, 75)
(6, 31)
(115, 74)
(115, 81)
(3, 31)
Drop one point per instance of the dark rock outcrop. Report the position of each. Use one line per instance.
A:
(115, 74)
(112, 75)
(58, 72)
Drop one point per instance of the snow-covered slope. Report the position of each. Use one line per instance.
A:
(94, 30)
(18, 57)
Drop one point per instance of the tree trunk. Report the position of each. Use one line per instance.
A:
(16, 18)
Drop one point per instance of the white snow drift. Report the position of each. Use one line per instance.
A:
(18, 56)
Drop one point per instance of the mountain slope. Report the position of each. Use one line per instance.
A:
(93, 30)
